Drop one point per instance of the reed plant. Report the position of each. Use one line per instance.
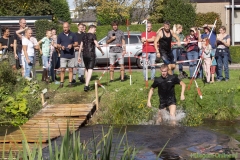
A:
(71, 148)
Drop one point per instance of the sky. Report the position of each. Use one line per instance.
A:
(70, 3)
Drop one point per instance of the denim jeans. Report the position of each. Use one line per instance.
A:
(151, 59)
(28, 67)
(45, 61)
(176, 53)
(222, 61)
(192, 55)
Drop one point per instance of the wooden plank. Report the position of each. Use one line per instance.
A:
(62, 114)
(67, 109)
(89, 105)
(53, 122)
(57, 118)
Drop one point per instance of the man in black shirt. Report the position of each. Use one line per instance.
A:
(80, 66)
(166, 92)
(88, 44)
(164, 38)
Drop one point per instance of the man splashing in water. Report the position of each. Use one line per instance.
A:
(166, 92)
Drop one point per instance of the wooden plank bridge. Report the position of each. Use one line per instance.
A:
(51, 121)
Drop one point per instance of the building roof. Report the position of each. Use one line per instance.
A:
(88, 16)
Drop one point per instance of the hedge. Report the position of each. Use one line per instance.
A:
(235, 54)
(208, 18)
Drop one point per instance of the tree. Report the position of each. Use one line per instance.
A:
(60, 10)
(109, 10)
(25, 8)
(180, 12)
(156, 11)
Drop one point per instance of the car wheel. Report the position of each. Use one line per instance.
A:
(140, 62)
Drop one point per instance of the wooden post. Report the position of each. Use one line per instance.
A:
(96, 94)
(43, 101)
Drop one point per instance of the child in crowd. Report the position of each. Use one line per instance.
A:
(45, 51)
(207, 62)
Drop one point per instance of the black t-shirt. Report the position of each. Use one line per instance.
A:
(4, 42)
(89, 45)
(19, 41)
(166, 86)
(79, 37)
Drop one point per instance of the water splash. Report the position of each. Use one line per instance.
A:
(166, 118)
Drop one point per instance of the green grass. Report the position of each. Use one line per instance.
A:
(121, 103)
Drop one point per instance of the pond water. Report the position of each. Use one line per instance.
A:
(211, 137)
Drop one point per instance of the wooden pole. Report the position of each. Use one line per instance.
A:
(96, 94)
(43, 101)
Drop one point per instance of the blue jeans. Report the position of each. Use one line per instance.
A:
(222, 60)
(28, 67)
(176, 53)
(192, 55)
(45, 61)
(152, 59)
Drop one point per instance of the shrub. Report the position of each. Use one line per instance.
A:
(41, 27)
(208, 18)
(180, 12)
(103, 30)
(19, 98)
(235, 54)
(61, 10)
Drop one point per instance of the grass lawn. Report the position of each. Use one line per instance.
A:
(121, 103)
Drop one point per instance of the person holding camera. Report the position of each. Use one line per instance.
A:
(28, 45)
(6, 46)
(116, 37)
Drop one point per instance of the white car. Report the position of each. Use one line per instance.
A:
(134, 47)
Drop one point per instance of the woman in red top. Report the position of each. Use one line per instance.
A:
(192, 49)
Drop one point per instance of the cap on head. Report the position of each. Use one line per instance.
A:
(166, 22)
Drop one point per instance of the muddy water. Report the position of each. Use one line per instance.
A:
(184, 141)
(214, 136)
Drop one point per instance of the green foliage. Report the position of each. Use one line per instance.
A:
(127, 104)
(42, 26)
(61, 10)
(234, 51)
(25, 8)
(125, 107)
(208, 18)
(102, 31)
(219, 103)
(180, 12)
(156, 11)
(19, 99)
(6, 74)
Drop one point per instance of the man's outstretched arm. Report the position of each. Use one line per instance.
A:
(149, 97)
